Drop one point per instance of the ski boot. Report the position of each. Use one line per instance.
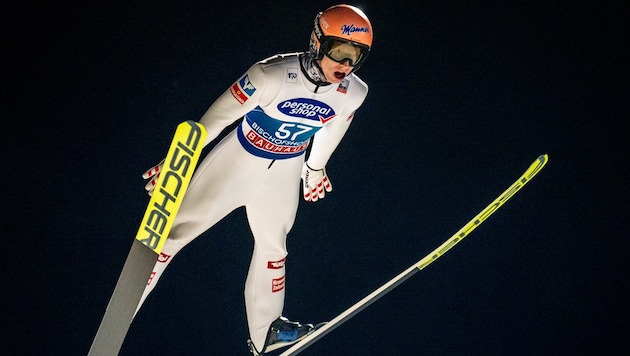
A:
(283, 332)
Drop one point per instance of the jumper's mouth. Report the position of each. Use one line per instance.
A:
(340, 75)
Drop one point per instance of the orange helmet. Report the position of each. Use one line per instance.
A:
(342, 33)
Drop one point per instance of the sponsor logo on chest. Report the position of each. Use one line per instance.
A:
(307, 109)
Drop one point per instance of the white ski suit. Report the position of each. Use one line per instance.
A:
(258, 165)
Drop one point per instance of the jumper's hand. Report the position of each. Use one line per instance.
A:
(315, 183)
(152, 175)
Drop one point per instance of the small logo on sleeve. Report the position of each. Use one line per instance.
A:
(242, 89)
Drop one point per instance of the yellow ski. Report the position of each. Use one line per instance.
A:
(533, 169)
(171, 186)
(179, 165)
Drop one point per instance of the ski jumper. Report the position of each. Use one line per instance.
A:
(281, 108)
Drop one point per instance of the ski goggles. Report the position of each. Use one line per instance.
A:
(341, 51)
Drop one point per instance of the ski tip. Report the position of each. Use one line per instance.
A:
(544, 158)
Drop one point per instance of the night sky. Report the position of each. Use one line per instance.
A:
(463, 97)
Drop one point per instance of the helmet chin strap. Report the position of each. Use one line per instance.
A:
(311, 68)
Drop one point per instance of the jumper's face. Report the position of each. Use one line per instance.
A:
(333, 71)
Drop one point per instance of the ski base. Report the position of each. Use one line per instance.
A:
(122, 305)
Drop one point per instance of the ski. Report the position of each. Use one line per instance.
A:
(533, 169)
(177, 170)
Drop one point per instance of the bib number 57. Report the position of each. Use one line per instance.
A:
(291, 131)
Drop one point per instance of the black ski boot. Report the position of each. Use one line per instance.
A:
(283, 332)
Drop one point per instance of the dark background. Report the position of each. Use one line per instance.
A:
(463, 97)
